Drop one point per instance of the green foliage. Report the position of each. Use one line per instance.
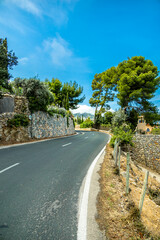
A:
(98, 119)
(152, 117)
(66, 95)
(87, 123)
(51, 110)
(55, 110)
(101, 92)
(79, 120)
(133, 82)
(119, 118)
(107, 126)
(137, 80)
(18, 120)
(123, 134)
(107, 119)
(67, 121)
(131, 117)
(156, 131)
(73, 122)
(62, 112)
(36, 92)
(7, 61)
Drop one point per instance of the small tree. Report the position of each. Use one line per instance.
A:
(119, 118)
(36, 92)
(107, 119)
(7, 61)
(66, 95)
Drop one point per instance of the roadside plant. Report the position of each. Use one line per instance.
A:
(18, 120)
(88, 123)
(156, 131)
(123, 134)
(119, 117)
(62, 112)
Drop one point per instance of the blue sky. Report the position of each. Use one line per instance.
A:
(75, 39)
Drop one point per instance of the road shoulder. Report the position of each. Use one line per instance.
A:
(93, 231)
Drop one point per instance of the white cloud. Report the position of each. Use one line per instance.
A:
(58, 49)
(83, 109)
(57, 10)
(63, 56)
(86, 109)
(23, 60)
(27, 5)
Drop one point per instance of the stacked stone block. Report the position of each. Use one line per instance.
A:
(146, 151)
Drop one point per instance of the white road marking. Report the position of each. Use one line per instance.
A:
(66, 144)
(9, 167)
(82, 221)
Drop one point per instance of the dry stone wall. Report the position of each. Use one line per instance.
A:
(43, 125)
(19, 105)
(14, 134)
(146, 151)
(12, 103)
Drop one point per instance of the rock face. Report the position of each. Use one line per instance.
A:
(146, 151)
(43, 125)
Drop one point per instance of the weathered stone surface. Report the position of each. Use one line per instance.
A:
(21, 105)
(43, 125)
(7, 104)
(146, 151)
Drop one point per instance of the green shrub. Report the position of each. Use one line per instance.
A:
(106, 126)
(67, 121)
(36, 92)
(123, 134)
(156, 131)
(73, 122)
(51, 110)
(18, 120)
(62, 111)
(87, 124)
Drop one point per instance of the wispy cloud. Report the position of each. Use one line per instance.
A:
(62, 55)
(26, 5)
(23, 60)
(59, 50)
(57, 10)
(86, 109)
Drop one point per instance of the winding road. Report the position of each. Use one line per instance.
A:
(40, 184)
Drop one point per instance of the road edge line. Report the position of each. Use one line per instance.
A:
(83, 203)
(83, 209)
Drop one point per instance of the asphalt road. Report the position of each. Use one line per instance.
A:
(39, 193)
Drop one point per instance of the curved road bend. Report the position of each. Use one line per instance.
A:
(40, 183)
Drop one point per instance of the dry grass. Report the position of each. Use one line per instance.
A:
(118, 214)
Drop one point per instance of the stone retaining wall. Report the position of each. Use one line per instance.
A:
(14, 134)
(43, 125)
(12, 103)
(146, 151)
